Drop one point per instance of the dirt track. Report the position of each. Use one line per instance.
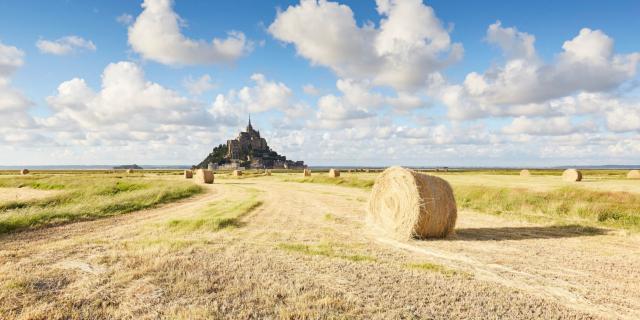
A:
(128, 267)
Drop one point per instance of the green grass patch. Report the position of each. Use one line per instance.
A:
(326, 250)
(432, 267)
(564, 205)
(219, 215)
(85, 197)
(341, 181)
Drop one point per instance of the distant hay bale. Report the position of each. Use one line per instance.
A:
(633, 174)
(129, 171)
(268, 172)
(24, 171)
(367, 170)
(237, 173)
(334, 173)
(188, 174)
(204, 176)
(572, 175)
(525, 173)
(408, 204)
(306, 173)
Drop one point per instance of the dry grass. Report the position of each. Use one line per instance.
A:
(84, 199)
(289, 261)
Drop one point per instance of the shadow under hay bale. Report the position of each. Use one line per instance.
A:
(524, 233)
(407, 204)
(572, 175)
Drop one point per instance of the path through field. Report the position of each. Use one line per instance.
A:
(307, 253)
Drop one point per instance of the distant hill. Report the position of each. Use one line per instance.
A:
(129, 166)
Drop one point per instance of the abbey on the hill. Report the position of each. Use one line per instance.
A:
(248, 150)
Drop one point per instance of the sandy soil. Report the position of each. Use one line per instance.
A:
(24, 194)
(130, 267)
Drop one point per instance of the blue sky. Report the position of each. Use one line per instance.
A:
(354, 114)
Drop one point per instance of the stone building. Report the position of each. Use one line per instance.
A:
(248, 150)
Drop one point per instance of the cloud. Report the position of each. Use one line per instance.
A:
(13, 103)
(310, 90)
(200, 85)
(125, 19)
(263, 96)
(554, 126)
(127, 106)
(409, 45)
(156, 36)
(524, 84)
(65, 45)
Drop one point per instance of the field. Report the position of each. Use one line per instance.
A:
(105, 245)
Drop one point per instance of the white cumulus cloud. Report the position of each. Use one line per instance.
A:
(524, 84)
(409, 45)
(156, 36)
(65, 45)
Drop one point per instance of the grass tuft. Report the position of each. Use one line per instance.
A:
(432, 267)
(219, 215)
(325, 250)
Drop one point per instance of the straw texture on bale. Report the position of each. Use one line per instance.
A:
(24, 171)
(188, 174)
(307, 173)
(237, 173)
(525, 173)
(633, 174)
(204, 176)
(407, 204)
(572, 175)
(334, 173)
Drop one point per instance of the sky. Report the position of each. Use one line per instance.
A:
(377, 83)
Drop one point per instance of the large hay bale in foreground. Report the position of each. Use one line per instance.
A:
(204, 176)
(633, 174)
(188, 174)
(525, 173)
(572, 175)
(237, 173)
(306, 173)
(24, 171)
(406, 204)
(334, 173)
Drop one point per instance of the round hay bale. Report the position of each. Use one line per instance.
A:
(306, 173)
(188, 174)
(24, 171)
(408, 204)
(572, 175)
(237, 173)
(129, 171)
(633, 174)
(334, 173)
(205, 176)
(525, 173)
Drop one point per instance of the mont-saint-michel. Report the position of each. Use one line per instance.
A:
(248, 150)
